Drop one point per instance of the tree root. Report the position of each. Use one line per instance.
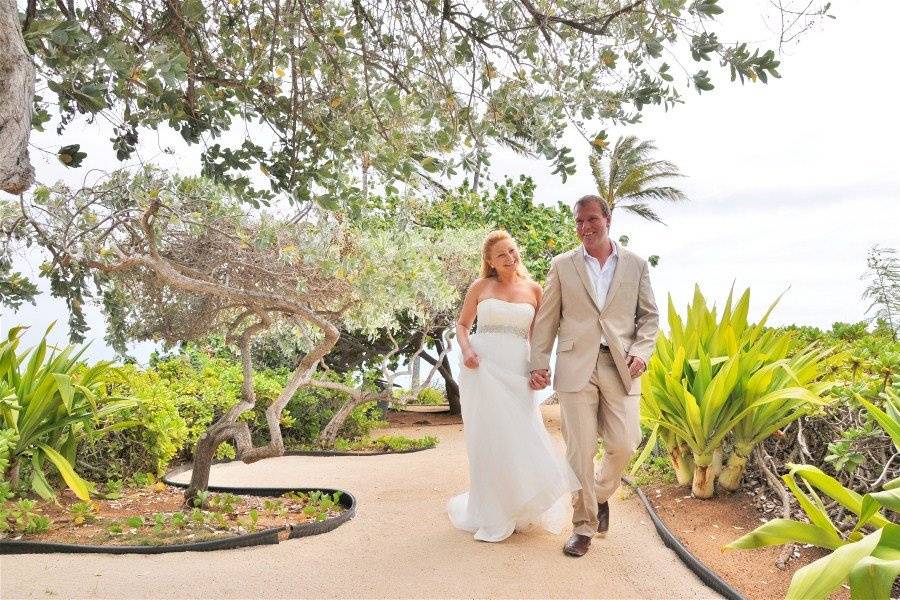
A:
(760, 457)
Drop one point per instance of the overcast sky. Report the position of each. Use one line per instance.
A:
(789, 183)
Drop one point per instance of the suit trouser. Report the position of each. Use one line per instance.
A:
(601, 409)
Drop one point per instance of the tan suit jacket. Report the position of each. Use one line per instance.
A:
(629, 320)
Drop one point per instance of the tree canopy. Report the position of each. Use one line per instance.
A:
(318, 96)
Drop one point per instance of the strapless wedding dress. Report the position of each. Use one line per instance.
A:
(517, 476)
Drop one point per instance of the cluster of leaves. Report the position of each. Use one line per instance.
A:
(22, 516)
(181, 394)
(868, 556)
(391, 87)
(49, 404)
(386, 443)
(429, 396)
(716, 378)
(844, 439)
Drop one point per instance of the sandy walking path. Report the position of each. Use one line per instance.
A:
(400, 544)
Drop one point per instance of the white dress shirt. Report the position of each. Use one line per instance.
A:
(601, 276)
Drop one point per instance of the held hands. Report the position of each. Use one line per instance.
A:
(636, 366)
(471, 359)
(539, 379)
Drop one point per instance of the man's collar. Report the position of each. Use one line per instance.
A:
(614, 253)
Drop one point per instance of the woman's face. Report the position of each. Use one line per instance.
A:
(504, 256)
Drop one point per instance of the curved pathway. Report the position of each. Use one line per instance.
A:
(400, 544)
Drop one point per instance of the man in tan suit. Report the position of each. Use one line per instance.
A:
(599, 304)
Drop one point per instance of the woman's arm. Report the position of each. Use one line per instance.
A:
(465, 321)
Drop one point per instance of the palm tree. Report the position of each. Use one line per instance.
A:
(631, 176)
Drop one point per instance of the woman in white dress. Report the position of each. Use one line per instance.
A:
(517, 477)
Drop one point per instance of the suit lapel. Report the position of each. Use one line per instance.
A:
(581, 269)
(621, 267)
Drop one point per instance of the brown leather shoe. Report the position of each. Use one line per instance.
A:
(603, 517)
(577, 545)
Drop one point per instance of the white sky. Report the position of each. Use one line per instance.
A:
(789, 183)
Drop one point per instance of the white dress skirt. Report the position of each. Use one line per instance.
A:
(517, 476)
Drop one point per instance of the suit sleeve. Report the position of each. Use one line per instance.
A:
(546, 323)
(646, 319)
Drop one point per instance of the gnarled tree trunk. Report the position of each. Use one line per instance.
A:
(16, 100)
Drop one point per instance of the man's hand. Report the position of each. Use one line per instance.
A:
(636, 366)
(539, 379)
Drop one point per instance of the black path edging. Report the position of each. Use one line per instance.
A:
(706, 575)
(257, 538)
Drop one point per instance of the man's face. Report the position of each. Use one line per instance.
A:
(590, 224)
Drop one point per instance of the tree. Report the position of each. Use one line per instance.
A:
(16, 97)
(631, 177)
(542, 231)
(341, 94)
(179, 259)
(883, 289)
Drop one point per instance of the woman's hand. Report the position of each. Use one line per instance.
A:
(470, 359)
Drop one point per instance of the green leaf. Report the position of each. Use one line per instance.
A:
(78, 485)
(873, 578)
(817, 580)
(39, 482)
(782, 531)
(66, 391)
(890, 426)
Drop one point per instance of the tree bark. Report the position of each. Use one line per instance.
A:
(330, 433)
(450, 385)
(16, 101)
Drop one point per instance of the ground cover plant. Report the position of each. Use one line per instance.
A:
(148, 513)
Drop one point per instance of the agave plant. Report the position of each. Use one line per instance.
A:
(871, 562)
(796, 373)
(711, 375)
(46, 408)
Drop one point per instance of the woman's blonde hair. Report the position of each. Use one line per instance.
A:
(492, 238)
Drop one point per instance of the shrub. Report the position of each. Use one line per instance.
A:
(870, 561)
(714, 378)
(430, 397)
(49, 404)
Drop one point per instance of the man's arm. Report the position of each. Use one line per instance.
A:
(546, 323)
(646, 319)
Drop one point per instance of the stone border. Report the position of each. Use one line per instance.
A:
(257, 538)
(706, 575)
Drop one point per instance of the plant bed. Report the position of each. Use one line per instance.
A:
(153, 519)
(705, 526)
(423, 408)
(386, 444)
(400, 419)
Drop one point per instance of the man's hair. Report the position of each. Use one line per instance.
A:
(604, 207)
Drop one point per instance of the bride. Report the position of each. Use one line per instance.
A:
(517, 476)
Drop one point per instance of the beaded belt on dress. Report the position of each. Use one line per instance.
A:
(512, 329)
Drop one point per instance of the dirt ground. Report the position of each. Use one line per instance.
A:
(704, 526)
(400, 545)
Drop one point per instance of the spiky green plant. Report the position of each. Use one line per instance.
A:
(711, 374)
(47, 402)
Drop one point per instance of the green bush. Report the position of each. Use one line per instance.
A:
(160, 431)
(430, 397)
(182, 394)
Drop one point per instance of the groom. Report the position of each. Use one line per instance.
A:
(599, 304)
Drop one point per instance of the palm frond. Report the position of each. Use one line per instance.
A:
(667, 193)
(643, 211)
